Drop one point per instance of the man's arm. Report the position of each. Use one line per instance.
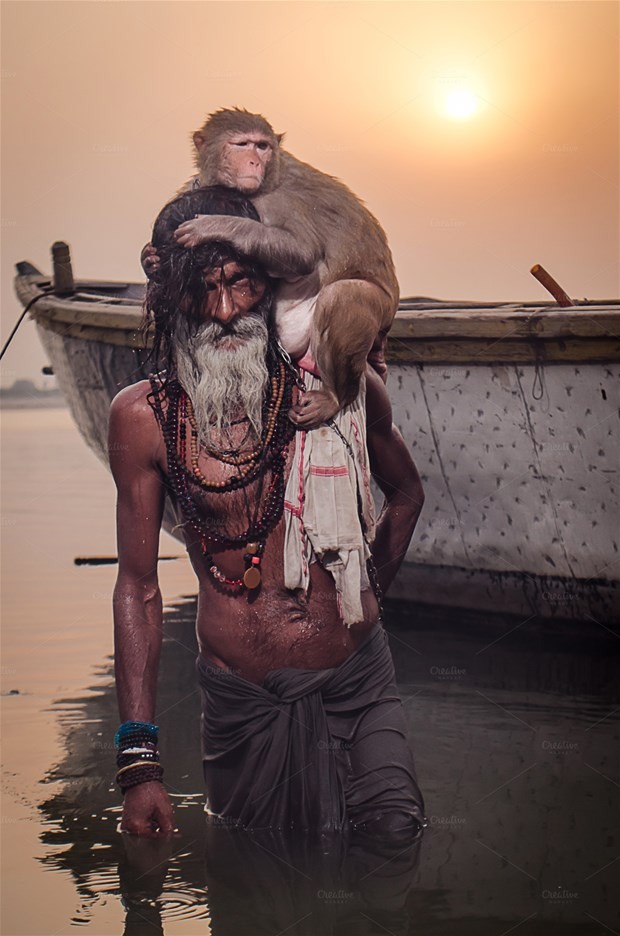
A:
(396, 474)
(133, 443)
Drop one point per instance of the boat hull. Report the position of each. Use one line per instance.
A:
(516, 455)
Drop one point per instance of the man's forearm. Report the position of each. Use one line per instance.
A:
(393, 535)
(137, 642)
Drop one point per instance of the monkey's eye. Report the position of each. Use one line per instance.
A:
(263, 145)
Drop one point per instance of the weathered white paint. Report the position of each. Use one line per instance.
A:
(515, 483)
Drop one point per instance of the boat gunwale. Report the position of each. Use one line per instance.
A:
(502, 333)
(120, 312)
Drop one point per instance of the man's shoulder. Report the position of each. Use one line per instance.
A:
(134, 436)
(131, 411)
(132, 400)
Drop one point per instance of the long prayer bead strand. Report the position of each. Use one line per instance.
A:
(269, 454)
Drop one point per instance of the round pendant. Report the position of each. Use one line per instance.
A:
(251, 577)
(252, 548)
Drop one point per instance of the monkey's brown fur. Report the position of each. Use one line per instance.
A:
(311, 222)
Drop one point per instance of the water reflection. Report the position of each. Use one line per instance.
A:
(268, 883)
(515, 746)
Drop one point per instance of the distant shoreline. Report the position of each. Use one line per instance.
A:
(45, 401)
(24, 394)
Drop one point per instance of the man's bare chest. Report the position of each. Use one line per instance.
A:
(235, 488)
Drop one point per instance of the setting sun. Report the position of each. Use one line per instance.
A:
(460, 104)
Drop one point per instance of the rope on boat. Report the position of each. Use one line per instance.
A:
(21, 319)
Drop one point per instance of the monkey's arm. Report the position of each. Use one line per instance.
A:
(396, 474)
(283, 253)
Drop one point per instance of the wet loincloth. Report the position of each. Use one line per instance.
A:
(310, 749)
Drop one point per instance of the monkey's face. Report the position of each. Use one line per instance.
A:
(243, 161)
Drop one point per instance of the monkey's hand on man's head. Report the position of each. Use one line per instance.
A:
(283, 254)
(198, 230)
(149, 258)
(313, 408)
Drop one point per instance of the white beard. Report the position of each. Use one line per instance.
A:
(223, 383)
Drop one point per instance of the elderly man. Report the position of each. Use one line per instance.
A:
(302, 724)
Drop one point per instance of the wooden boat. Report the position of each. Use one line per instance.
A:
(509, 410)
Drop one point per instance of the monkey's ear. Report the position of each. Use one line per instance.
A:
(199, 140)
(280, 137)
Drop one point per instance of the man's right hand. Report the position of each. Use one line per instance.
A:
(149, 259)
(147, 810)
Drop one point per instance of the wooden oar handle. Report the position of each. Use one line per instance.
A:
(549, 283)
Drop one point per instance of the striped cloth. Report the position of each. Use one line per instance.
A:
(321, 506)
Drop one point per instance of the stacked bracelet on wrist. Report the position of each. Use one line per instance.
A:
(138, 757)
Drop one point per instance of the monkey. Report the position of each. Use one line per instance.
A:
(338, 291)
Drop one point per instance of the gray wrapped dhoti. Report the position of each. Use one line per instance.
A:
(310, 749)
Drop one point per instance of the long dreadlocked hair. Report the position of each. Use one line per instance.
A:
(180, 276)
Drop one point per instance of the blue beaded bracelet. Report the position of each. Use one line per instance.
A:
(146, 730)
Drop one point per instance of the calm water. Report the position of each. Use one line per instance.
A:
(515, 731)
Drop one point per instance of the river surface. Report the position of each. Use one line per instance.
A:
(514, 726)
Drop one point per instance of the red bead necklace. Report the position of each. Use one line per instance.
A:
(269, 454)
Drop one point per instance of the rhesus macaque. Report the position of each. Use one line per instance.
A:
(338, 292)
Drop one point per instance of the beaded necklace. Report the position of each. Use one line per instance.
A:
(268, 454)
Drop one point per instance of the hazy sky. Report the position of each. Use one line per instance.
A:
(99, 100)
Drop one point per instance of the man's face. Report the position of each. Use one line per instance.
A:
(220, 350)
(230, 294)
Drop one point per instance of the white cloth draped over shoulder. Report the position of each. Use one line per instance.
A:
(321, 511)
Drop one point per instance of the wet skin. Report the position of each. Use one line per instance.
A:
(253, 632)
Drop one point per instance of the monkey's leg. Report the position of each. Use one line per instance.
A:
(349, 318)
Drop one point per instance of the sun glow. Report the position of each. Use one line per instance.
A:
(460, 104)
